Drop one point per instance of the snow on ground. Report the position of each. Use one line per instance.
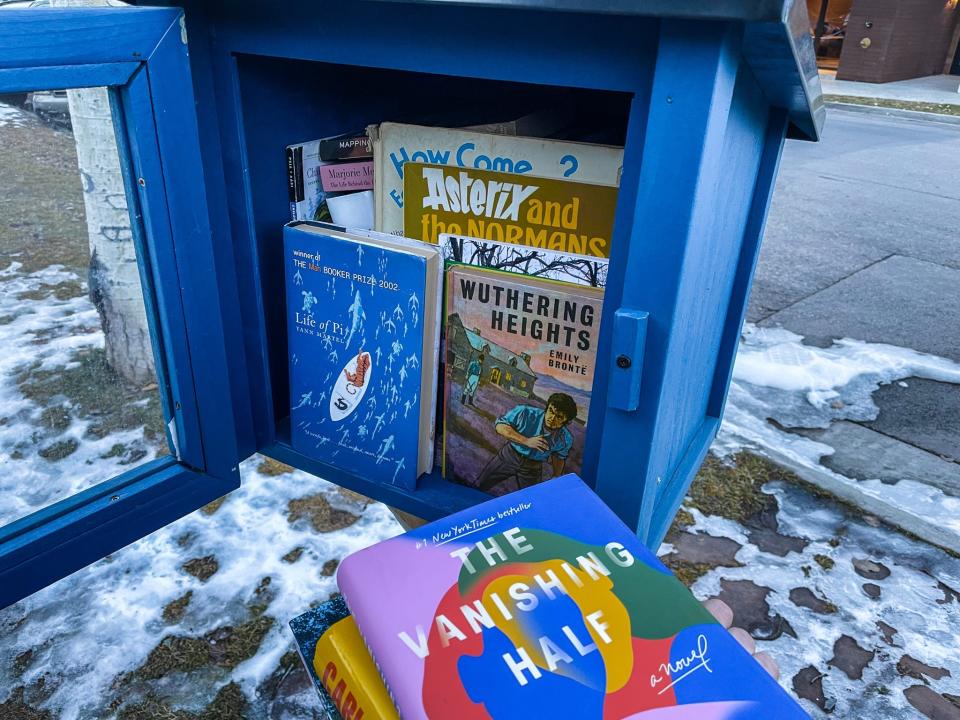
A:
(13, 116)
(105, 619)
(82, 633)
(911, 600)
(45, 335)
(777, 377)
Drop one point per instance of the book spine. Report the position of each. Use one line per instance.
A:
(376, 147)
(294, 178)
(352, 146)
(349, 674)
(346, 176)
(326, 702)
(343, 582)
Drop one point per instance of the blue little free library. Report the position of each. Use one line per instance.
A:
(207, 95)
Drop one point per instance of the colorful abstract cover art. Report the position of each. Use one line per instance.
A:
(355, 346)
(520, 360)
(542, 604)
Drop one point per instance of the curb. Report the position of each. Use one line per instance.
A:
(849, 493)
(915, 115)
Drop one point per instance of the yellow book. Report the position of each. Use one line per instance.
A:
(553, 214)
(340, 665)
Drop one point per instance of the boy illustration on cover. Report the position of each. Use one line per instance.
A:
(473, 380)
(534, 436)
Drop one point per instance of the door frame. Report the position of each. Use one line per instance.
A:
(141, 54)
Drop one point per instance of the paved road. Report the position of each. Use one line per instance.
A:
(863, 241)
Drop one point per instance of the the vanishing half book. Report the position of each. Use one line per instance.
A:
(520, 359)
(543, 604)
(363, 331)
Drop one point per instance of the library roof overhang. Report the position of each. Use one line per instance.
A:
(777, 43)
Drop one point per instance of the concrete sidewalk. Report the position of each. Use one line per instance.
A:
(862, 242)
(935, 89)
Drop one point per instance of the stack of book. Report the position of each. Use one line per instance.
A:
(538, 604)
(482, 286)
(497, 242)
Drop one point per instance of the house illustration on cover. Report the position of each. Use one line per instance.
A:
(500, 365)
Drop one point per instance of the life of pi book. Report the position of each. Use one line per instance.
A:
(544, 604)
(521, 354)
(363, 332)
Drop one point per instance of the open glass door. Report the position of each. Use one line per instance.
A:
(115, 412)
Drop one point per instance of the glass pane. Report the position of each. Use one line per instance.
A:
(79, 399)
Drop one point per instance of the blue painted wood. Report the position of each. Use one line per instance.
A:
(110, 35)
(749, 253)
(585, 51)
(434, 497)
(669, 501)
(202, 63)
(154, 114)
(161, 263)
(704, 289)
(198, 265)
(670, 494)
(65, 77)
(12, 533)
(148, 287)
(626, 358)
(690, 99)
(76, 532)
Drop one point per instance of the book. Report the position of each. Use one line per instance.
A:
(339, 664)
(525, 260)
(520, 360)
(349, 146)
(395, 144)
(331, 180)
(545, 213)
(363, 329)
(544, 604)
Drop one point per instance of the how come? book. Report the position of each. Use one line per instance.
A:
(544, 604)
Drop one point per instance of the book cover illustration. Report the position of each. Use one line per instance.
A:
(544, 213)
(525, 260)
(544, 604)
(395, 145)
(331, 180)
(339, 664)
(520, 360)
(355, 345)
